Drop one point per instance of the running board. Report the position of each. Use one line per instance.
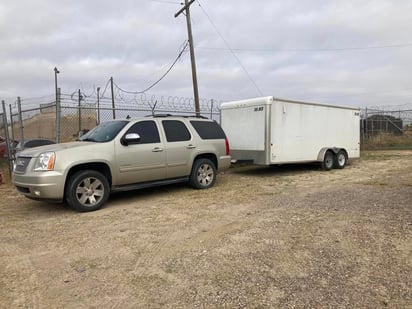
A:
(148, 184)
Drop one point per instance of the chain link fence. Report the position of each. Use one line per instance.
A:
(77, 112)
(386, 128)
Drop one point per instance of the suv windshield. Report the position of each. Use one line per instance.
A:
(104, 132)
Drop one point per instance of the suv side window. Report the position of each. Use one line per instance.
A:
(147, 130)
(208, 129)
(176, 131)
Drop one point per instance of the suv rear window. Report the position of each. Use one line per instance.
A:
(208, 129)
(176, 131)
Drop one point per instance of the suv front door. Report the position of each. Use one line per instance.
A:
(144, 160)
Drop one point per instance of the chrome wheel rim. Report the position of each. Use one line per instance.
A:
(341, 160)
(329, 161)
(90, 191)
(205, 175)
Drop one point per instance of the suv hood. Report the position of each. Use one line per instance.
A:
(36, 151)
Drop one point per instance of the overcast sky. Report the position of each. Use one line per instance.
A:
(349, 52)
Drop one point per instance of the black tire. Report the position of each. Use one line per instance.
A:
(340, 159)
(203, 175)
(328, 161)
(87, 191)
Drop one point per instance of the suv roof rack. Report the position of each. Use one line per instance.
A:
(171, 115)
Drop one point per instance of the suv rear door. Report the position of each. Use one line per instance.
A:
(180, 148)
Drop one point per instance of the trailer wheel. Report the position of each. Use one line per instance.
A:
(340, 159)
(328, 161)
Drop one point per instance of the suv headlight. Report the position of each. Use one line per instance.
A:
(45, 162)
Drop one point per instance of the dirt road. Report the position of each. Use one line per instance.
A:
(263, 237)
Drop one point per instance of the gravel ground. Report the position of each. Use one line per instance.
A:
(262, 237)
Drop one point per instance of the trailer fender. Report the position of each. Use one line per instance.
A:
(321, 154)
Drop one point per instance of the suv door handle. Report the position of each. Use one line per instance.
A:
(157, 149)
(190, 146)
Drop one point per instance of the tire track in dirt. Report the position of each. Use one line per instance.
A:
(18, 274)
(192, 238)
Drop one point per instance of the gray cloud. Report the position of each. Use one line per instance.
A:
(308, 50)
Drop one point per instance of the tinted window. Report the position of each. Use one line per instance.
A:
(176, 131)
(34, 143)
(30, 144)
(104, 132)
(46, 142)
(147, 130)
(208, 129)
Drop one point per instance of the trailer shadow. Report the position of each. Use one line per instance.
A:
(280, 169)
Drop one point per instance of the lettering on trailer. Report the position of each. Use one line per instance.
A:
(258, 109)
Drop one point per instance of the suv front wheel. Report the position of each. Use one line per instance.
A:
(87, 190)
(203, 175)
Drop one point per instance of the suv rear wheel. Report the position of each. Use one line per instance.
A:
(87, 190)
(203, 174)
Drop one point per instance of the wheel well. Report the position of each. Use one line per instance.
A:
(334, 150)
(209, 156)
(99, 167)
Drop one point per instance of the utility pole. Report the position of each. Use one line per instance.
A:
(111, 88)
(56, 90)
(192, 52)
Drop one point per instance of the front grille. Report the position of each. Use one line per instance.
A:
(20, 164)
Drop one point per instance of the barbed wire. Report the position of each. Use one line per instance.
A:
(143, 101)
(388, 108)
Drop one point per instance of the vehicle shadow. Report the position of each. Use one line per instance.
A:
(271, 170)
(147, 193)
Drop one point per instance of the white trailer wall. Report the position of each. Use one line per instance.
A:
(271, 131)
(300, 130)
(246, 126)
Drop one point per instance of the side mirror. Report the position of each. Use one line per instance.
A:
(130, 138)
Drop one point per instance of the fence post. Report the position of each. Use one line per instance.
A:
(58, 117)
(6, 131)
(21, 123)
(211, 109)
(98, 106)
(11, 122)
(80, 111)
(365, 129)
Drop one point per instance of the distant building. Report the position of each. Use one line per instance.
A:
(378, 124)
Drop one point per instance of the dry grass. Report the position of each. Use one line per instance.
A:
(389, 141)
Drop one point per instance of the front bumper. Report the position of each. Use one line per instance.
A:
(47, 185)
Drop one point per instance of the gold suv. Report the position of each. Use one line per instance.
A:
(124, 155)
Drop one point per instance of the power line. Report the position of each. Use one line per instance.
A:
(374, 93)
(105, 88)
(305, 49)
(162, 77)
(164, 1)
(231, 50)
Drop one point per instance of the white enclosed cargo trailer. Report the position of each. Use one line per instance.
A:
(269, 131)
